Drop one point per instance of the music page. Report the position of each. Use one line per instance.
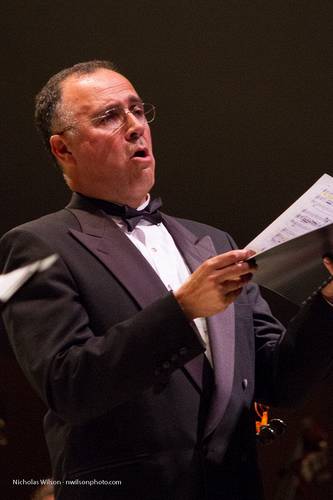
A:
(313, 210)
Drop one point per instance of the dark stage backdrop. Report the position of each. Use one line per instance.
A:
(244, 99)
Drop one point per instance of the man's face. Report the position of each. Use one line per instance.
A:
(97, 161)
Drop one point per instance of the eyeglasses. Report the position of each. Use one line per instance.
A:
(115, 118)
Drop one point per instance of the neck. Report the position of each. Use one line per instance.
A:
(139, 205)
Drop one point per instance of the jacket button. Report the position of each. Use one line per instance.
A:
(166, 365)
(183, 351)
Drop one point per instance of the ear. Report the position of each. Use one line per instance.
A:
(60, 149)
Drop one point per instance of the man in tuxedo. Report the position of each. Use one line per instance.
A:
(146, 339)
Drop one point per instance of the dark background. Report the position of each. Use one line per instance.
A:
(244, 99)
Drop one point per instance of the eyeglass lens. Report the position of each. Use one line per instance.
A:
(116, 117)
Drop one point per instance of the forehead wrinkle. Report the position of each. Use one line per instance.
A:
(111, 101)
(130, 93)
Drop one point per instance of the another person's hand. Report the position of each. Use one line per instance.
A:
(327, 291)
(215, 284)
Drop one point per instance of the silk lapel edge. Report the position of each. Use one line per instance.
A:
(221, 326)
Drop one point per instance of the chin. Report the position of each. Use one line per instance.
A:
(140, 196)
(147, 180)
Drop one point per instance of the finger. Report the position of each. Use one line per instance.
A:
(226, 259)
(232, 285)
(328, 263)
(234, 272)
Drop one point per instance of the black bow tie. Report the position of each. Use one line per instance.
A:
(130, 215)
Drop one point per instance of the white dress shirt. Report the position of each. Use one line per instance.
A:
(158, 247)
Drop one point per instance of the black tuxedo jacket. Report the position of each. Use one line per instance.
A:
(123, 373)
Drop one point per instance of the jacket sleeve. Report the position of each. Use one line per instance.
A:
(78, 374)
(291, 361)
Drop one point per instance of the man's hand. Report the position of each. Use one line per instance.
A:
(327, 291)
(215, 284)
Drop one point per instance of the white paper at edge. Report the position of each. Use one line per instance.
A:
(11, 282)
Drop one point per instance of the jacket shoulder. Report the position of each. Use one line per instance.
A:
(35, 239)
(46, 225)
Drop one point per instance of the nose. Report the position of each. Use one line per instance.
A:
(134, 127)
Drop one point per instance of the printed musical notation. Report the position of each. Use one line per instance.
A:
(313, 210)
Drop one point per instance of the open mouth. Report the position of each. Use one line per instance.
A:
(140, 153)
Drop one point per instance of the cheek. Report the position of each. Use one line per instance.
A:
(101, 147)
(148, 138)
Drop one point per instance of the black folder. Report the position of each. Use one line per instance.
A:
(294, 269)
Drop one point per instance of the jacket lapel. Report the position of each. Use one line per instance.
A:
(103, 238)
(195, 251)
(221, 327)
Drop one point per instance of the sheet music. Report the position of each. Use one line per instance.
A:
(11, 282)
(313, 210)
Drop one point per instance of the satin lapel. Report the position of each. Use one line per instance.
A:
(221, 327)
(102, 237)
(195, 251)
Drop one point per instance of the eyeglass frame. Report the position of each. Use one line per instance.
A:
(125, 111)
